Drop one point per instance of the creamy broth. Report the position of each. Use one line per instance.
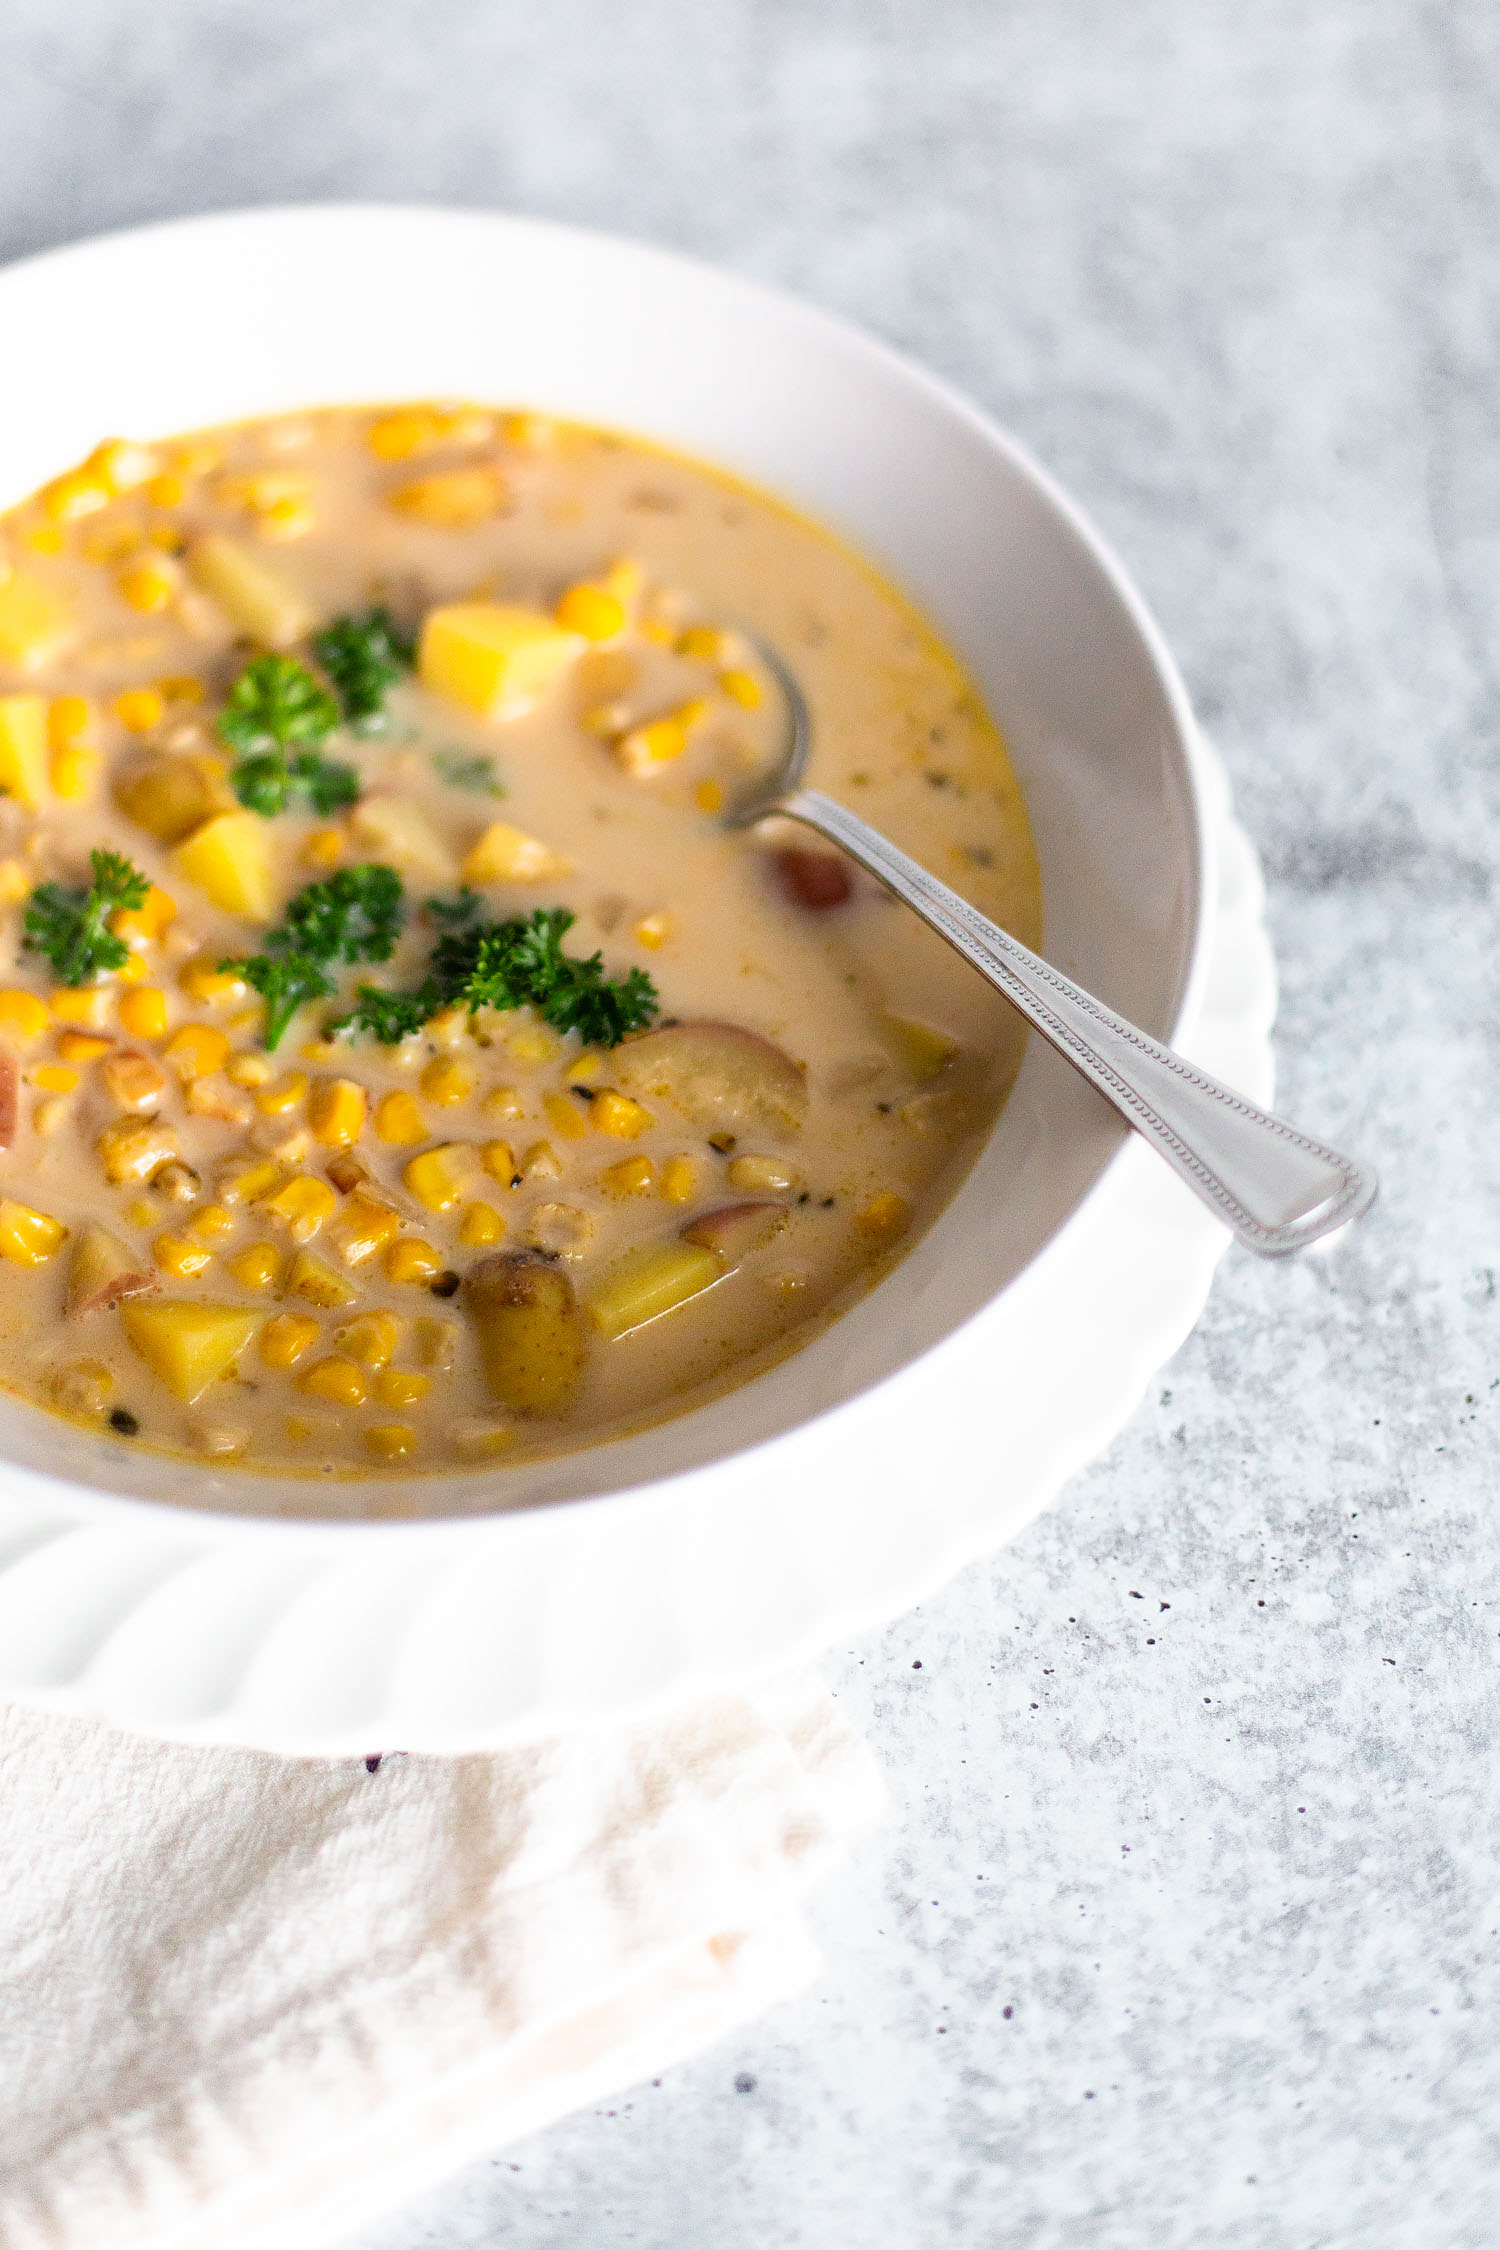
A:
(492, 1236)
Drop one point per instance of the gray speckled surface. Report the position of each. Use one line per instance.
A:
(1183, 1928)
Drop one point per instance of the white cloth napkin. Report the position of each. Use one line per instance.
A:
(248, 2002)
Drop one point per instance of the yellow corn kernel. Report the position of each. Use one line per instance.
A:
(196, 1049)
(143, 1013)
(398, 1120)
(435, 1342)
(247, 1070)
(445, 1081)
(452, 499)
(130, 971)
(703, 642)
(505, 854)
(505, 1101)
(324, 847)
(53, 1078)
(534, 1043)
(642, 749)
(28, 1237)
(679, 1179)
(120, 464)
(393, 1386)
(633, 1175)
(884, 1216)
(141, 925)
(760, 1175)
(215, 1097)
(619, 1116)
(50, 1115)
(247, 1182)
(45, 539)
(481, 1226)
(257, 1266)
(482, 1441)
(448, 1026)
(498, 1159)
(112, 542)
(140, 709)
(176, 1255)
(140, 1212)
(85, 1005)
(336, 1112)
(166, 490)
(77, 494)
(23, 745)
(135, 1148)
(364, 1226)
(741, 687)
(22, 1014)
(438, 1177)
(655, 930)
(312, 1277)
(591, 613)
(35, 623)
(181, 687)
(371, 1339)
(390, 1441)
(541, 1162)
(587, 1068)
(565, 1117)
(301, 1205)
(283, 1095)
(205, 980)
(288, 517)
(81, 1047)
(70, 720)
(73, 772)
(412, 429)
(212, 1223)
(284, 1339)
(15, 882)
(709, 796)
(147, 585)
(412, 1260)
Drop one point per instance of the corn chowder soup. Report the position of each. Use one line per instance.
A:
(400, 1062)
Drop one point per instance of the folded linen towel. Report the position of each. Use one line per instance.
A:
(247, 2001)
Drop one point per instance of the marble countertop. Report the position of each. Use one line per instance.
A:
(1183, 1926)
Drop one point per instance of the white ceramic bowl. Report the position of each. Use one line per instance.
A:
(194, 1600)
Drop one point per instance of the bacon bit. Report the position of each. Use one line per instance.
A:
(816, 881)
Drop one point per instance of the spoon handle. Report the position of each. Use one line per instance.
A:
(1277, 1189)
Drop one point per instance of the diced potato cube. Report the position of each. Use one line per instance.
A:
(28, 1237)
(23, 746)
(169, 795)
(230, 859)
(920, 1049)
(495, 658)
(508, 855)
(646, 1282)
(34, 622)
(394, 829)
(187, 1344)
(103, 1271)
(254, 594)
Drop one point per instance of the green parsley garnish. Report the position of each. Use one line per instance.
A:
(274, 705)
(512, 964)
(460, 771)
(354, 915)
(363, 657)
(69, 926)
(452, 913)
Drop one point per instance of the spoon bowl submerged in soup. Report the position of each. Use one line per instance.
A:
(400, 1064)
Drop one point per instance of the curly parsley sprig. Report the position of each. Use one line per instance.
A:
(70, 926)
(276, 705)
(511, 964)
(355, 915)
(364, 656)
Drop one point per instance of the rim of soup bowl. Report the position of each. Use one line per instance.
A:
(207, 1525)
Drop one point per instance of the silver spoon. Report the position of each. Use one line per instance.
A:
(1276, 1188)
